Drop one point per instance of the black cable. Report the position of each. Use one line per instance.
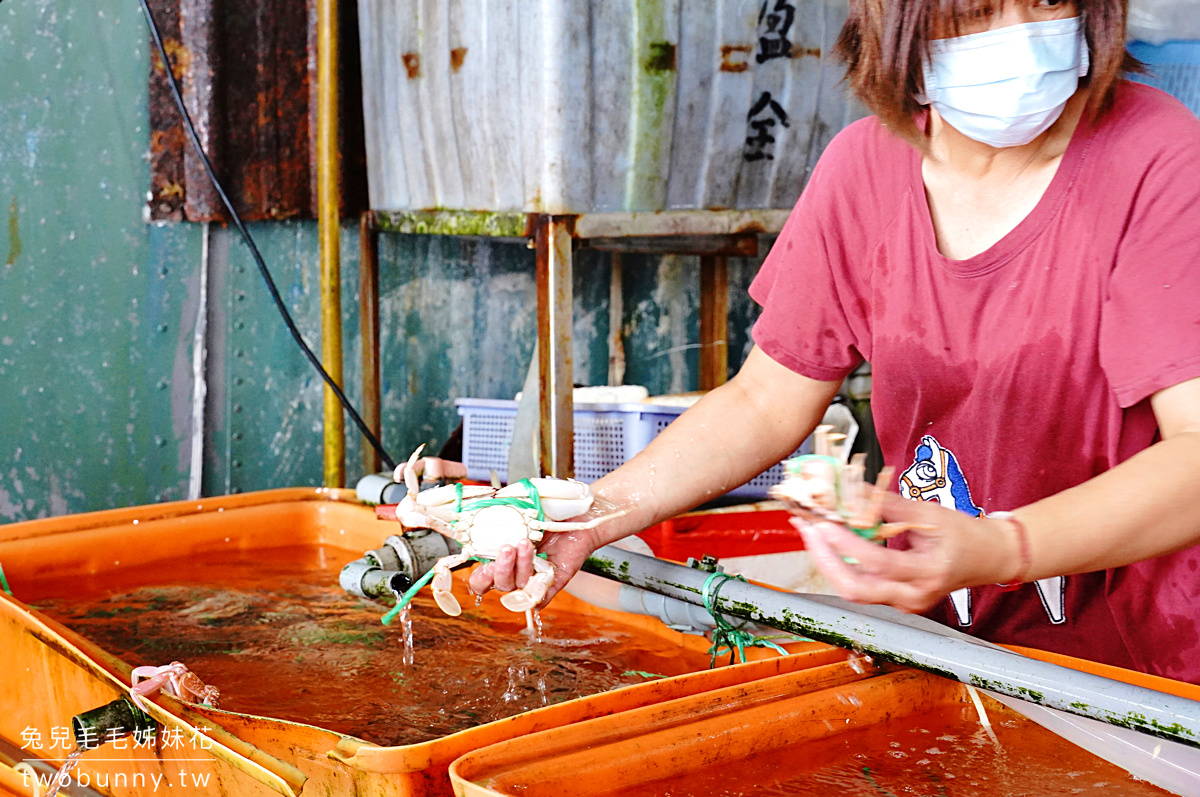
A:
(258, 259)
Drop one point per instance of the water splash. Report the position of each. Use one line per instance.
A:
(406, 629)
(533, 625)
(64, 772)
(860, 662)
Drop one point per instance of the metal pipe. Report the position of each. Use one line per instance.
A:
(714, 321)
(328, 213)
(109, 722)
(555, 307)
(368, 315)
(900, 638)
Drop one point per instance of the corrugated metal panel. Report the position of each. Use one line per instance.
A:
(603, 105)
(97, 308)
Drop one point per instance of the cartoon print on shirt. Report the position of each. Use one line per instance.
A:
(936, 476)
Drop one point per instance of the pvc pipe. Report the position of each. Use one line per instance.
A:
(890, 635)
(378, 488)
(616, 597)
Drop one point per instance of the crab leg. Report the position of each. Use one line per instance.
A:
(409, 474)
(421, 520)
(535, 589)
(443, 581)
(554, 525)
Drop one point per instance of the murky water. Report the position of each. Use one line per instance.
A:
(279, 638)
(941, 753)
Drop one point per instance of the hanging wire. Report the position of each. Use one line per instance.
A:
(177, 93)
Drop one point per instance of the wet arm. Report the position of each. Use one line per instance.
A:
(1145, 507)
(731, 435)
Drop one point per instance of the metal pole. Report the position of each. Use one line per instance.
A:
(328, 215)
(555, 372)
(368, 301)
(714, 321)
(891, 635)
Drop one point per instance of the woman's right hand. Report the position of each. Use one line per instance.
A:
(566, 550)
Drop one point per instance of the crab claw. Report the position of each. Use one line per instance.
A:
(443, 581)
(447, 602)
(408, 472)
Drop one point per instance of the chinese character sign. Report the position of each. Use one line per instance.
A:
(775, 20)
(761, 123)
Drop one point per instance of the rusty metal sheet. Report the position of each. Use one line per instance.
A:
(167, 141)
(248, 73)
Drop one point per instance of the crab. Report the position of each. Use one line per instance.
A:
(175, 679)
(823, 487)
(485, 519)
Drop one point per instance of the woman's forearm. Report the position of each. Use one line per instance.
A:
(731, 435)
(1143, 508)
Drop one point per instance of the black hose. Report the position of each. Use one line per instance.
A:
(258, 259)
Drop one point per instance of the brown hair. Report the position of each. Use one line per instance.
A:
(884, 44)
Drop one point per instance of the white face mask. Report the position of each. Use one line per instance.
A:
(1005, 87)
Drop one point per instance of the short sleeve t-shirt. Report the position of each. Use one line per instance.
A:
(1020, 372)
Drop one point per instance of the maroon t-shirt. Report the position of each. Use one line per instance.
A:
(1020, 372)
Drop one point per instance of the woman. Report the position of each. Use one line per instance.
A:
(1013, 241)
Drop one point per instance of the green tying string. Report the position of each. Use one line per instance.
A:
(726, 637)
(4, 581)
(412, 591)
(643, 674)
(533, 501)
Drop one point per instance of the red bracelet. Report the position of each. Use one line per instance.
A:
(1023, 546)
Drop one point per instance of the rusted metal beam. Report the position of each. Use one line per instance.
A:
(552, 236)
(680, 222)
(736, 245)
(714, 321)
(167, 141)
(199, 39)
(616, 322)
(249, 78)
(368, 320)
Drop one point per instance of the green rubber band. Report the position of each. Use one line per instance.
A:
(533, 501)
(4, 581)
(412, 591)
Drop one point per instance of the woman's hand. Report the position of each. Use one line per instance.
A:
(566, 550)
(956, 551)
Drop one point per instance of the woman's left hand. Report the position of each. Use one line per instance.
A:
(953, 550)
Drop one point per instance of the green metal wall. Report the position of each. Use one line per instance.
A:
(98, 308)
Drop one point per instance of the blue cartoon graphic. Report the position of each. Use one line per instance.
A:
(936, 476)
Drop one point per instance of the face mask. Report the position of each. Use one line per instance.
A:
(1005, 87)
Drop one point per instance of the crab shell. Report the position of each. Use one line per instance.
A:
(814, 488)
(561, 499)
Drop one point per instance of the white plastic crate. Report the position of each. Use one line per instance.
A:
(606, 436)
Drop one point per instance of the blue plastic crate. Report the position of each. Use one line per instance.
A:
(1175, 68)
(606, 436)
